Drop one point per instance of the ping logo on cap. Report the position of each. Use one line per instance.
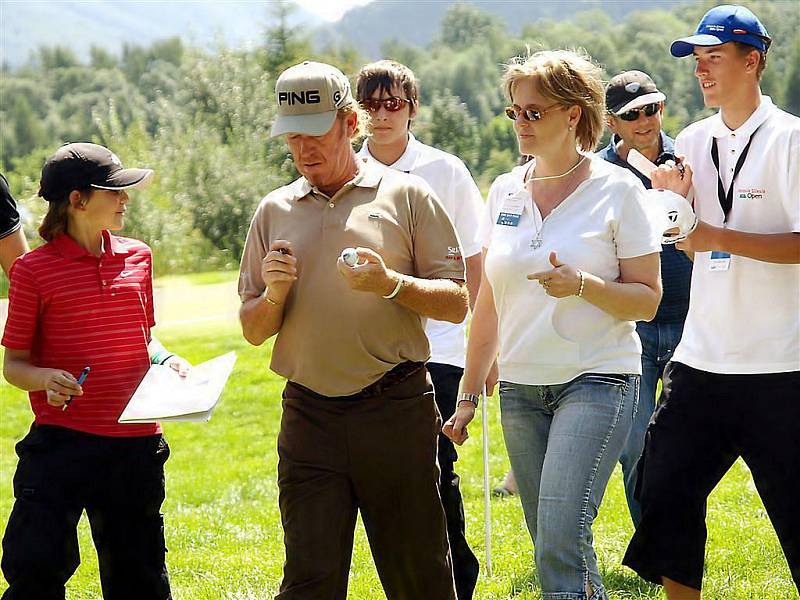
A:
(633, 87)
(301, 97)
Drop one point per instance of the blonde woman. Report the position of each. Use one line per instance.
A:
(571, 262)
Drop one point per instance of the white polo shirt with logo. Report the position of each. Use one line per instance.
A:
(546, 340)
(452, 183)
(745, 319)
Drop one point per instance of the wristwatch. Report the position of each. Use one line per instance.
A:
(465, 397)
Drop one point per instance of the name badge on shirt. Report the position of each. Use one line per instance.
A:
(511, 210)
(720, 261)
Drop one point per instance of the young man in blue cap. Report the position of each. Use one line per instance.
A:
(730, 389)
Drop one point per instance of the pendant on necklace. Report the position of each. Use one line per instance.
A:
(536, 243)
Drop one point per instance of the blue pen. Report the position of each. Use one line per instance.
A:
(81, 378)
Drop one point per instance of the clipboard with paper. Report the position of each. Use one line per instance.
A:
(163, 395)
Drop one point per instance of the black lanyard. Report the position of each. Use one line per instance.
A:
(726, 199)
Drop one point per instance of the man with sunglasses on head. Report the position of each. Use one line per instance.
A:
(730, 389)
(635, 107)
(388, 90)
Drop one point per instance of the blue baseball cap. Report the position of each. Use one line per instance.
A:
(723, 24)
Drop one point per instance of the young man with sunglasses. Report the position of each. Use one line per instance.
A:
(388, 90)
(730, 390)
(635, 106)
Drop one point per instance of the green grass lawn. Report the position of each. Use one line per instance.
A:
(223, 526)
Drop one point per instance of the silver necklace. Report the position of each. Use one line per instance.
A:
(537, 241)
(577, 164)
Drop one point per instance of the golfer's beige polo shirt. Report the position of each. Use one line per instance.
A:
(334, 340)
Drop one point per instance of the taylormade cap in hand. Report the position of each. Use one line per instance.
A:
(723, 24)
(631, 89)
(675, 216)
(82, 165)
(308, 95)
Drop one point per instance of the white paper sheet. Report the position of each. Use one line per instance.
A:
(163, 395)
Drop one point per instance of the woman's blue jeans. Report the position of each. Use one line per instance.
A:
(564, 441)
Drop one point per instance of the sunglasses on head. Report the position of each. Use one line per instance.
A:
(633, 114)
(529, 114)
(392, 104)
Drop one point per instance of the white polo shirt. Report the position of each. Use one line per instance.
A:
(453, 185)
(546, 340)
(745, 319)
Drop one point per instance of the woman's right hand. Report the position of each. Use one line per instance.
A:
(456, 426)
(60, 385)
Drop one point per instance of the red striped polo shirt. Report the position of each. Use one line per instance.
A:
(72, 309)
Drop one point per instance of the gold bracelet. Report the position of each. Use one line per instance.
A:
(269, 300)
(580, 289)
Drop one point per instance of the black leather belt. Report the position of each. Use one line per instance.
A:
(397, 374)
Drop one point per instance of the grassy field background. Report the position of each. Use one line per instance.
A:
(223, 526)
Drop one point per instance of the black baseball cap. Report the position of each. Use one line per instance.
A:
(631, 89)
(82, 165)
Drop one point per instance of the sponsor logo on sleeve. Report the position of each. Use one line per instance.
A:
(453, 253)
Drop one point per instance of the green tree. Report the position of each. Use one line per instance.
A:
(447, 124)
(100, 58)
(464, 26)
(283, 45)
(792, 93)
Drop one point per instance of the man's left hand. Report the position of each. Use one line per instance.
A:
(704, 238)
(369, 274)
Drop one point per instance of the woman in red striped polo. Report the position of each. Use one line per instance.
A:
(83, 303)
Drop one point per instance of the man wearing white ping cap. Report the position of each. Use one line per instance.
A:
(359, 426)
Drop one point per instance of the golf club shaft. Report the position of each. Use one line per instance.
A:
(487, 509)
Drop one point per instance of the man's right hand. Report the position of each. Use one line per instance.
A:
(671, 177)
(279, 270)
(60, 385)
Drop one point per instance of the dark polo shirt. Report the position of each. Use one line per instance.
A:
(676, 268)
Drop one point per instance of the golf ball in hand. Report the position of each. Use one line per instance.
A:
(350, 256)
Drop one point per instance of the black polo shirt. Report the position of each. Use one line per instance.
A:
(9, 216)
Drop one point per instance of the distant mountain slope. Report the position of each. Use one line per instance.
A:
(416, 22)
(109, 24)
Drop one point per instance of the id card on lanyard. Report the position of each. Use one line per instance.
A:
(511, 210)
(721, 261)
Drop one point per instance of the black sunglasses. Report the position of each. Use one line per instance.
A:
(633, 114)
(392, 104)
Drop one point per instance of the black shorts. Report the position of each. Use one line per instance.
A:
(704, 423)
